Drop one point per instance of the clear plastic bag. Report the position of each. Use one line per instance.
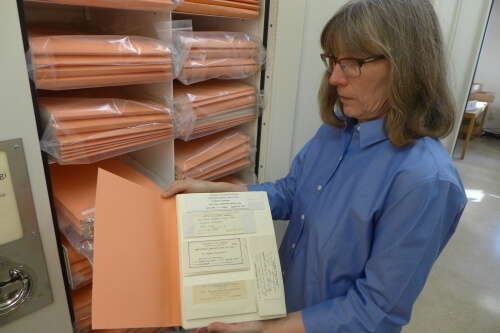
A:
(59, 62)
(211, 106)
(213, 156)
(218, 54)
(86, 130)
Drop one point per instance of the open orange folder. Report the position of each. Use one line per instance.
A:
(154, 263)
(74, 190)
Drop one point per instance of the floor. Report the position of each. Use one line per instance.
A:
(462, 293)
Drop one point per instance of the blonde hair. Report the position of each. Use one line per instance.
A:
(408, 34)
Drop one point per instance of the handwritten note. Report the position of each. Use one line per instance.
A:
(267, 275)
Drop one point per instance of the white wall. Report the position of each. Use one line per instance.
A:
(311, 70)
(294, 80)
(464, 23)
(294, 77)
(488, 69)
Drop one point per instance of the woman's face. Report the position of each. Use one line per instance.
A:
(364, 97)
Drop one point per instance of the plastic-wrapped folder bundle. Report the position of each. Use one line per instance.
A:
(119, 4)
(82, 61)
(74, 190)
(85, 130)
(219, 54)
(79, 267)
(81, 300)
(230, 8)
(212, 156)
(208, 107)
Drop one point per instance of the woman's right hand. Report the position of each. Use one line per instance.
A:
(200, 186)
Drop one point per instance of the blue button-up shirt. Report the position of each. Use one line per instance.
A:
(367, 222)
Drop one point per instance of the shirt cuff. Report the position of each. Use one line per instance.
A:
(254, 188)
(315, 319)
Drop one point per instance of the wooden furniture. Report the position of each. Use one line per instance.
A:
(481, 109)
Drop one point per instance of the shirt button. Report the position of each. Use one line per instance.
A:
(319, 187)
(283, 272)
(293, 246)
(303, 217)
(358, 128)
(340, 158)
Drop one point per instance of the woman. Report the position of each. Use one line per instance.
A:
(373, 197)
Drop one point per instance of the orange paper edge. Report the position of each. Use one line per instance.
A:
(136, 279)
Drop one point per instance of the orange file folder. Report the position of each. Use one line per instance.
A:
(82, 307)
(74, 186)
(74, 191)
(154, 263)
(136, 276)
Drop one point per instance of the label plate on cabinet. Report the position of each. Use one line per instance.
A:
(24, 282)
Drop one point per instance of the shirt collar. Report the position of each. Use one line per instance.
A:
(370, 132)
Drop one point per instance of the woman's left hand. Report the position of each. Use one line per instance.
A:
(244, 327)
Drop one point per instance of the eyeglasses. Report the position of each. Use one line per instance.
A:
(351, 67)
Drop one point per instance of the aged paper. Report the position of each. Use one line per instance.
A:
(219, 299)
(219, 292)
(200, 224)
(230, 266)
(210, 256)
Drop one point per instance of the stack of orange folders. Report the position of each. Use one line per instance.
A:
(232, 179)
(120, 4)
(212, 156)
(82, 306)
(81, 300)
(74, 191)
(207, 107)
(231, 8)
(85, 130)
(79, 268)
(83, 61)
(218, 54)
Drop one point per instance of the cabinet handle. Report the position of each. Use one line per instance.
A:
(14, 292)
